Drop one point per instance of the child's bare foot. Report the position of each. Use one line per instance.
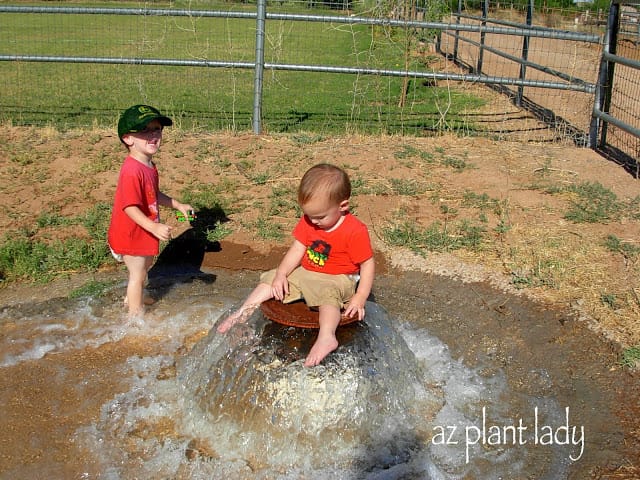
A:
(320, 349)
(147, 300)
(239, 316)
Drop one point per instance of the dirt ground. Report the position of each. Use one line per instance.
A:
(530, 296)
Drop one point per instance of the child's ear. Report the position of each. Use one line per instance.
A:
(344, 205)
(126, 138)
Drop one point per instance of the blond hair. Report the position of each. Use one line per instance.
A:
(324, 179)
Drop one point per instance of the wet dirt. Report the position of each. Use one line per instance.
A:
(540, 350)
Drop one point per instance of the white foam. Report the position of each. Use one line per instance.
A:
(126, 431)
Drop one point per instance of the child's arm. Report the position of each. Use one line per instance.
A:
(159, 230)
(356, 304)
(167, 201)
(280, 284)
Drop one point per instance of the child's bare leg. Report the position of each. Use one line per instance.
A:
(259, 294)
(326, 341)
(137, 267)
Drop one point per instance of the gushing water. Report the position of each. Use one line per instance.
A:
(390, 403)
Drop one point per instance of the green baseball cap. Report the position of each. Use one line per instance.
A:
(135, 119)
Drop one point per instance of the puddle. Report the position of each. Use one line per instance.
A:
(436, 385)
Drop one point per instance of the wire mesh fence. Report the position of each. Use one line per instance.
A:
(550, 58)
(83, 68)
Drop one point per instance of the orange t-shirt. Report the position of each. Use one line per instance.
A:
(340, 251)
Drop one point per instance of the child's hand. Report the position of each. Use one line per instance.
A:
(162, 231)
(280, 287)
(355, 307)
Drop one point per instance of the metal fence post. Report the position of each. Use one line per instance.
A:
(259, 67)
(485, 14)
(525, 53)
(456, 38)
(602, 101)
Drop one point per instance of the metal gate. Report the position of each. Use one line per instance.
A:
(615, 127)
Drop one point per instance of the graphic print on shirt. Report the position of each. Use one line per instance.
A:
(318, 252)
(152, 202)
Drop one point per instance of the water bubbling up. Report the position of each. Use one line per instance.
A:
(242, 406)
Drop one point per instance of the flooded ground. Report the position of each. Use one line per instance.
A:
(514, 390)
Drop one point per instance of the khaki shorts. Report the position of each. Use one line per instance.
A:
(316, 288)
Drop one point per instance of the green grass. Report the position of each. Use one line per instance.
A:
(630, 357)
(593, 203)
(437, 237)
(627, 250)
(92, 289)
(222, 98)
(24, 255)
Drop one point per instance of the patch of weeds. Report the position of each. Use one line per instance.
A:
(503, 226)
(226, 185)
(245, 166)
(52, 219)
(260, 178)
(203, 195)
(633, 208)
(406, 187)
(94, 138)
(96, 221)
(481, 201)
(75, 254)
(609, 300)
(448, 211)
(521, 281)
(630, 357)
(470, 234)
(615, 245)
(93, 289)
(361, 187)
(458, 164)
(437, 237)
(218, 232)
(23, 257)
(202, 150)
(223, 162)
(23, 158)
(593, 203)
(267, 229)
(251, 149)
(306, 138)
(540, 274)
(102, 163)
(409, 151)
(282, 201)
(20, 257)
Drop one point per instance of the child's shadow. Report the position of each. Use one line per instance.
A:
(181, 258)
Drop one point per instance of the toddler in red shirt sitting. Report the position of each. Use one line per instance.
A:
(330, 263)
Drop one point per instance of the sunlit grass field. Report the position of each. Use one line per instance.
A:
(106, 74)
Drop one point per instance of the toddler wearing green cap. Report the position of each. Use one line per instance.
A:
(135, 230)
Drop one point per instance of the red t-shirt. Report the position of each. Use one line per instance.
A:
(340, 251)
(138, 185)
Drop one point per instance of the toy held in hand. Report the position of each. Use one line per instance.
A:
(181, 218)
